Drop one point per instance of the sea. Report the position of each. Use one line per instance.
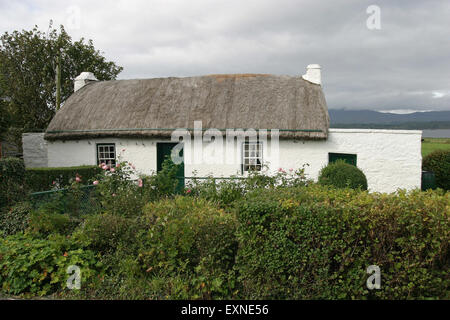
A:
(436, 133)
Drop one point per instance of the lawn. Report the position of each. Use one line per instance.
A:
(431, 144)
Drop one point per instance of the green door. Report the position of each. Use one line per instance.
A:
(347, 157)
(164, 151)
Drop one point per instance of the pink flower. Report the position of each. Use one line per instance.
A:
(95, 183)
(112, 170)
(113, 194)
(77, 179)
(280, 169)
(291, 169)
(118, 165)
(54, 182)
(188, 191)
(140, 183)
(105, 167)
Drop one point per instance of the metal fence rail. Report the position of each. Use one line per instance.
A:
(86, 200)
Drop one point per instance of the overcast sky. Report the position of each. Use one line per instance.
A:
(403, 65)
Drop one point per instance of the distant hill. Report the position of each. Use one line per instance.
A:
(375, 119)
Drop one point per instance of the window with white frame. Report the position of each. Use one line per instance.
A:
(106, 153)
(252, 158)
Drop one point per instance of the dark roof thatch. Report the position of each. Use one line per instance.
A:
(126, 108)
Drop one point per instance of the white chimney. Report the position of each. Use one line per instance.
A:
(83, 79)
(313, 74)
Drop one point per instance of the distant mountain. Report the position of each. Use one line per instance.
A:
(375, 119)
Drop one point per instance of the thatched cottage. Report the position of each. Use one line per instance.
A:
(143, 120)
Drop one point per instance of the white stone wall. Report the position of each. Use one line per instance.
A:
(391, 159)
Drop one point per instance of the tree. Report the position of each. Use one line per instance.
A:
(4, 118)
(28, 63)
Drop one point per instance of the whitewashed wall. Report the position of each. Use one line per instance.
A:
(391, 159)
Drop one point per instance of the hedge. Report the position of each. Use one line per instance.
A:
(43, 179)
(12, 175)
(439, 163)
(317, 243)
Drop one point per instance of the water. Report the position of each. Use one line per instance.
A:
(436, 133)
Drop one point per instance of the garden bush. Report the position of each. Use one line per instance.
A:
(43, 223)
(39, 266)
(185, 232)
(342, 175)
(193, 239)
(107, 232)
(317, 242)
(43, 179)
(15, 219)
(439, 163)
(225, 192)
(12, 176)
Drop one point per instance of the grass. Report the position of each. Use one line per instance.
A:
(431, 144)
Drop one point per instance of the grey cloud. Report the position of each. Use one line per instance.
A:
(400, 66)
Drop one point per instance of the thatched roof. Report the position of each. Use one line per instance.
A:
(126, 108)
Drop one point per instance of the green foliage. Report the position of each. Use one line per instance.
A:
(107, 232)
(317, 242)
(38, 266)
(439, 163)
(43, 179)
(12, 175)
(118, 193)
(189, 239)
(15, 219)
(28, 71)
(4, 117)
(164, 183)
(43, 223)
(342, 175)
(225, 192)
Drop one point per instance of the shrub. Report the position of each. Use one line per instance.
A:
(15, 219)
(38, 266)
(342, 175)
(317, 242)
(107, 232)
(190, 238)
(12, 175)
(225, 192)
(439, 163)
(43, 179)
(164, 183)
(44, 223)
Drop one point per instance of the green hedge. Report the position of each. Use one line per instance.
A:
(43, 179)
(189, 250)
(12, 175)
(439, 163)
(317, 242)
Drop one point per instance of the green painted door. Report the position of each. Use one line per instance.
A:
(164, 151)
(347, 157)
